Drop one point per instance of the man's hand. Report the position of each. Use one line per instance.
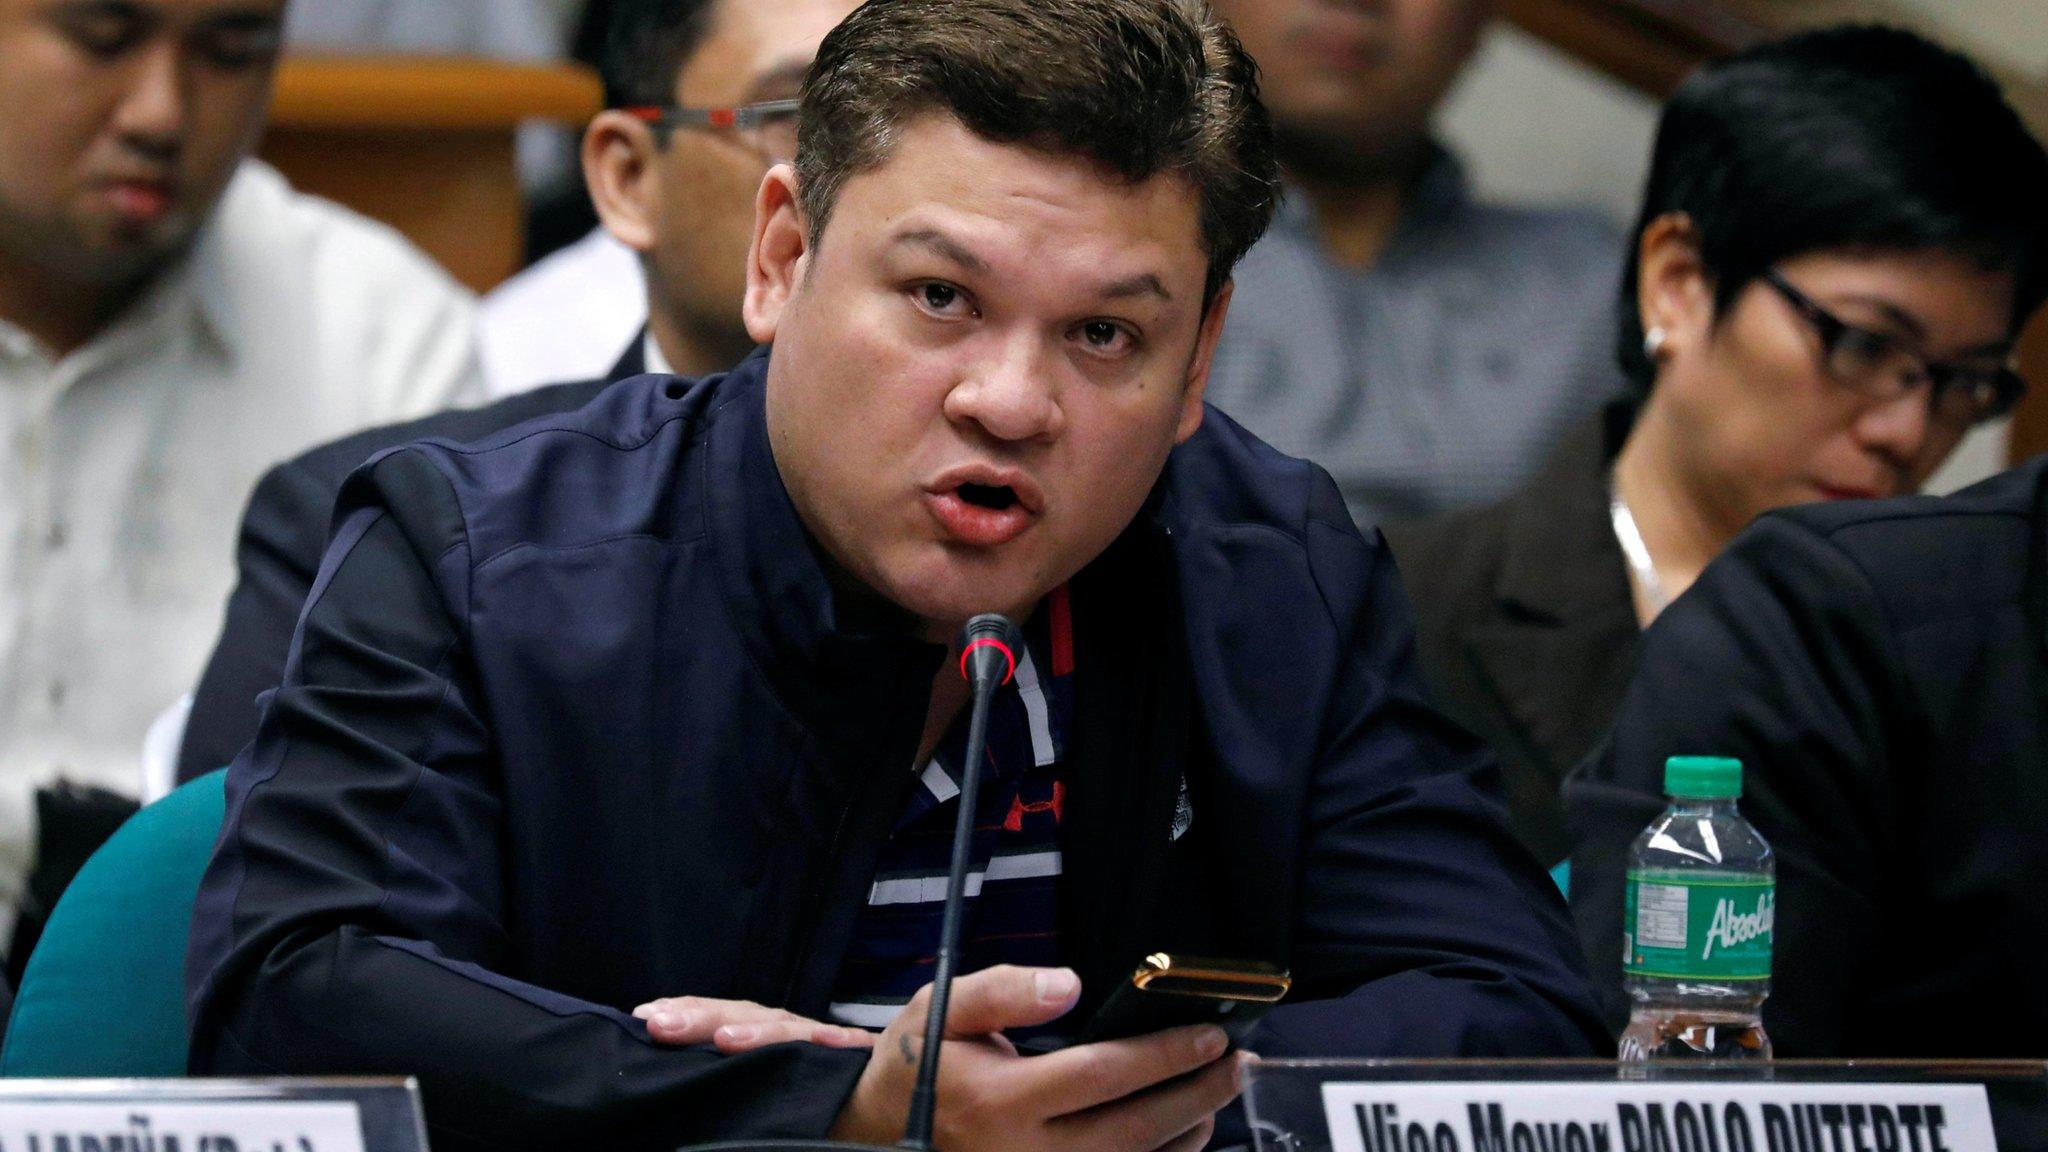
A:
(1151, 1092)
(740, 1025)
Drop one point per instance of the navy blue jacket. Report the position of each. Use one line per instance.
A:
(573, 720)
(283, 536)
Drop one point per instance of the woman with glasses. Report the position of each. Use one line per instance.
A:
(1841, 237)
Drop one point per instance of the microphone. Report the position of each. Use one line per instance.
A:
(988, 658)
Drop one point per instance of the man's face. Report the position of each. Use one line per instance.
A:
(978, 373)
(1354, 82)
(755, 50)
(120, 123)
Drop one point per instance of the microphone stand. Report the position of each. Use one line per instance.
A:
(987, 660)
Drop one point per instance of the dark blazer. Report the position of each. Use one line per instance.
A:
(1524, 623)
(1879, 669)
(574, 720)
(284, 534)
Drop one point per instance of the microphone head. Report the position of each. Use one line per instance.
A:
(988, 650)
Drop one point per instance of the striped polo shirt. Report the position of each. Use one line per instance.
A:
(1010, 914)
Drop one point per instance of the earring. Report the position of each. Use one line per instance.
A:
(1653, 342)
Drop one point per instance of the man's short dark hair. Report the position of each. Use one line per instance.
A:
(1138, 86)
(1853, 138)
(646, 47)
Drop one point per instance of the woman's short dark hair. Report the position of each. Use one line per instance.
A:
(646, 46)
(1138, 86)
(1848, 138)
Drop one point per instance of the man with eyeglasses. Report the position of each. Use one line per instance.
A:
(701, 108)
(700, 104)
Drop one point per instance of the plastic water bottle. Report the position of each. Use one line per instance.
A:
(1698, 923)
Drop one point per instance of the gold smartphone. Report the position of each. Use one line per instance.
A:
(1168, 991)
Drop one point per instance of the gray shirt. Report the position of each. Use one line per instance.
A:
(1442, 376)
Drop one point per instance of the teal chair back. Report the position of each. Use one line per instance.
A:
(104, 991)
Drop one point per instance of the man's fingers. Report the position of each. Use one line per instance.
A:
(747, 1037)
(727, 1011)
(702, 1020)
(1074, 1079)
(1001, 997)
(1159, 1117)
(1194, 1139)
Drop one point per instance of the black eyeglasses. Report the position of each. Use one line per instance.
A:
(1883, 368)
(768, 127)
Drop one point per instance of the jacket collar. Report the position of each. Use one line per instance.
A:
(1559, 639)
(1561, 561)
(840, 666)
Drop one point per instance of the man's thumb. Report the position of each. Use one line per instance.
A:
(1006, 996)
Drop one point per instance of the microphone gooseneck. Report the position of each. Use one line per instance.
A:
(988, 658)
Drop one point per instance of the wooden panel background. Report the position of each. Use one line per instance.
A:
(423, 144)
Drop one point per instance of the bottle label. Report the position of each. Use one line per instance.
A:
(1698, 926)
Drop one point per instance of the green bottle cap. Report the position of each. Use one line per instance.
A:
(1707, 777)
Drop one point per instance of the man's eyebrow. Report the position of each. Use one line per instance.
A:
(1143, 284)
(946, 247)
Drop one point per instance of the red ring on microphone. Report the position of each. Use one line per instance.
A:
(989, 642)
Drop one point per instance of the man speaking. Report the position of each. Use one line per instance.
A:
(652, 700)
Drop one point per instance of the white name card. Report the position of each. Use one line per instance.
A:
(1653, 1116)
(149, 1126)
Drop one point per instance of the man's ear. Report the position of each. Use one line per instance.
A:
(781, 251)
(1196, 387)
(619, 154)
(1674, 294)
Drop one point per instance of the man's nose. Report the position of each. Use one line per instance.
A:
(152, 115)
(1012, 394)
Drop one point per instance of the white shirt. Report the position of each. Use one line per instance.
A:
(124, 466)
(566, 318)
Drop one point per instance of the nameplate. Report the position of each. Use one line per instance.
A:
(157, 1126)
(1651, 1116)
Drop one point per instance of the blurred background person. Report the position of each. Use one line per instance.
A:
(681, 196)
(1800, 323)
(675, 197)
(1427, 349)
(1877, 668)
(173, 320)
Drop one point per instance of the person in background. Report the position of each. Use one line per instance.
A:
(1427, 349)
(1801, 323)
(173, 320)
(1878, 669)
(674, 199)
(682, 193)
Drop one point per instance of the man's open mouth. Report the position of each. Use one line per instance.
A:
(996, 497)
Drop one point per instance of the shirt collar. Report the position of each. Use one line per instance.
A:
(1440, 191)
(210, 284)
(192, 292)
(650, 354)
